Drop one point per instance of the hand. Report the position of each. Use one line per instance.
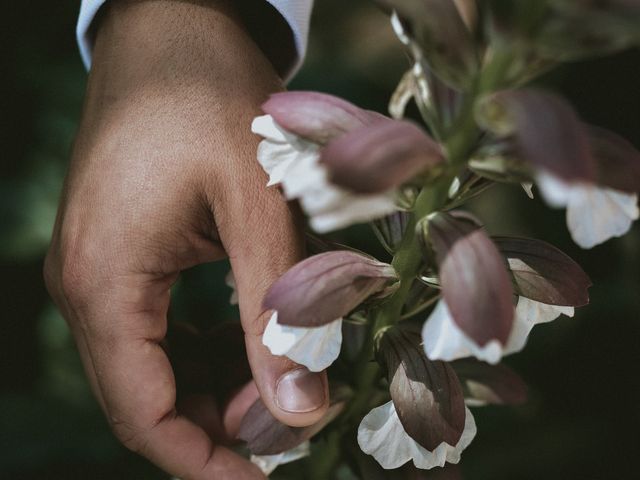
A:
(164, 177)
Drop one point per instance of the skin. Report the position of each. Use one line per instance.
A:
(163, 177)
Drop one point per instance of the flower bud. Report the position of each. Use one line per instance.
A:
(485, 384)
(317, 117)
(543, 273)
(440, 34)
(327, 286)
(546, 131)
(475, 282)
(380, 156)
(426, 394)
(265, 435)
(617, 159)
(392, 228)
(577, 29)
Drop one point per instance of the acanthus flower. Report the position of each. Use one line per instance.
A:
(593, 173)
(546, 283)
(444, 340)
(344, 164)
(310, 300)
(426, 420)
(382, 435)
(594, 213)
(268, 463)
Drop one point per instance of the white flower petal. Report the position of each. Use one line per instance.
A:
(328, 206)
(444, 340)
(280, 150)
(266, 127)
(555, 191)
(454, 187)
(316, 348)
(268, 463)
(294, 163)
(596, 214)
(348, 209)
(402, 95)
(528, 189)
(478, 392)
(381, 435)
(528, 314)
(304, 175)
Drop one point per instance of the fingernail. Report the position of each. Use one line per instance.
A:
(300, 391)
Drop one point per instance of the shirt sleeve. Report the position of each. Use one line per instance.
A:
(296, 13)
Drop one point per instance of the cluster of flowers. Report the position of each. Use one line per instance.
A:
(346, 165)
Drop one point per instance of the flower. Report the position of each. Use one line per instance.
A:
(311, 298)
(594, 213)
(268, 463)
(444, 340)
(314, 347)
(528, 314)
(381, 435)
(294, 163)
(341, 162)
(591, 171)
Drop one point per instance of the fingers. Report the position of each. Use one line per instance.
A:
(261, 247)
(122, 332)
(237, 407)
(222, 425)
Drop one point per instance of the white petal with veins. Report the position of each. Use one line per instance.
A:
(594, 214)
(381, 435)
(444, 340)
(554, 190)
(280, 150)
(268, 463)
(314, 347)
(528, 314)
(294, 163)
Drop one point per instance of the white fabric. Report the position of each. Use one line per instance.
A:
(297, 13)
(381, 435)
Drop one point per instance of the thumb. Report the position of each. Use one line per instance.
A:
(262, 247)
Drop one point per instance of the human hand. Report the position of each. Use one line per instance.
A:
(163, 177)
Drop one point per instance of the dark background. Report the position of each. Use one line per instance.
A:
(582, 420)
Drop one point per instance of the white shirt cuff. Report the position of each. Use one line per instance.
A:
(296, 12)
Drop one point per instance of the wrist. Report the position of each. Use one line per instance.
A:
(165, 47)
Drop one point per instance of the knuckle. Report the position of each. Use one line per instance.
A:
(136, 436)
(67, 266)
(129, 436)
(74, 278)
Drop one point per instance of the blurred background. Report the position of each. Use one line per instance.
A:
(582, 419)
